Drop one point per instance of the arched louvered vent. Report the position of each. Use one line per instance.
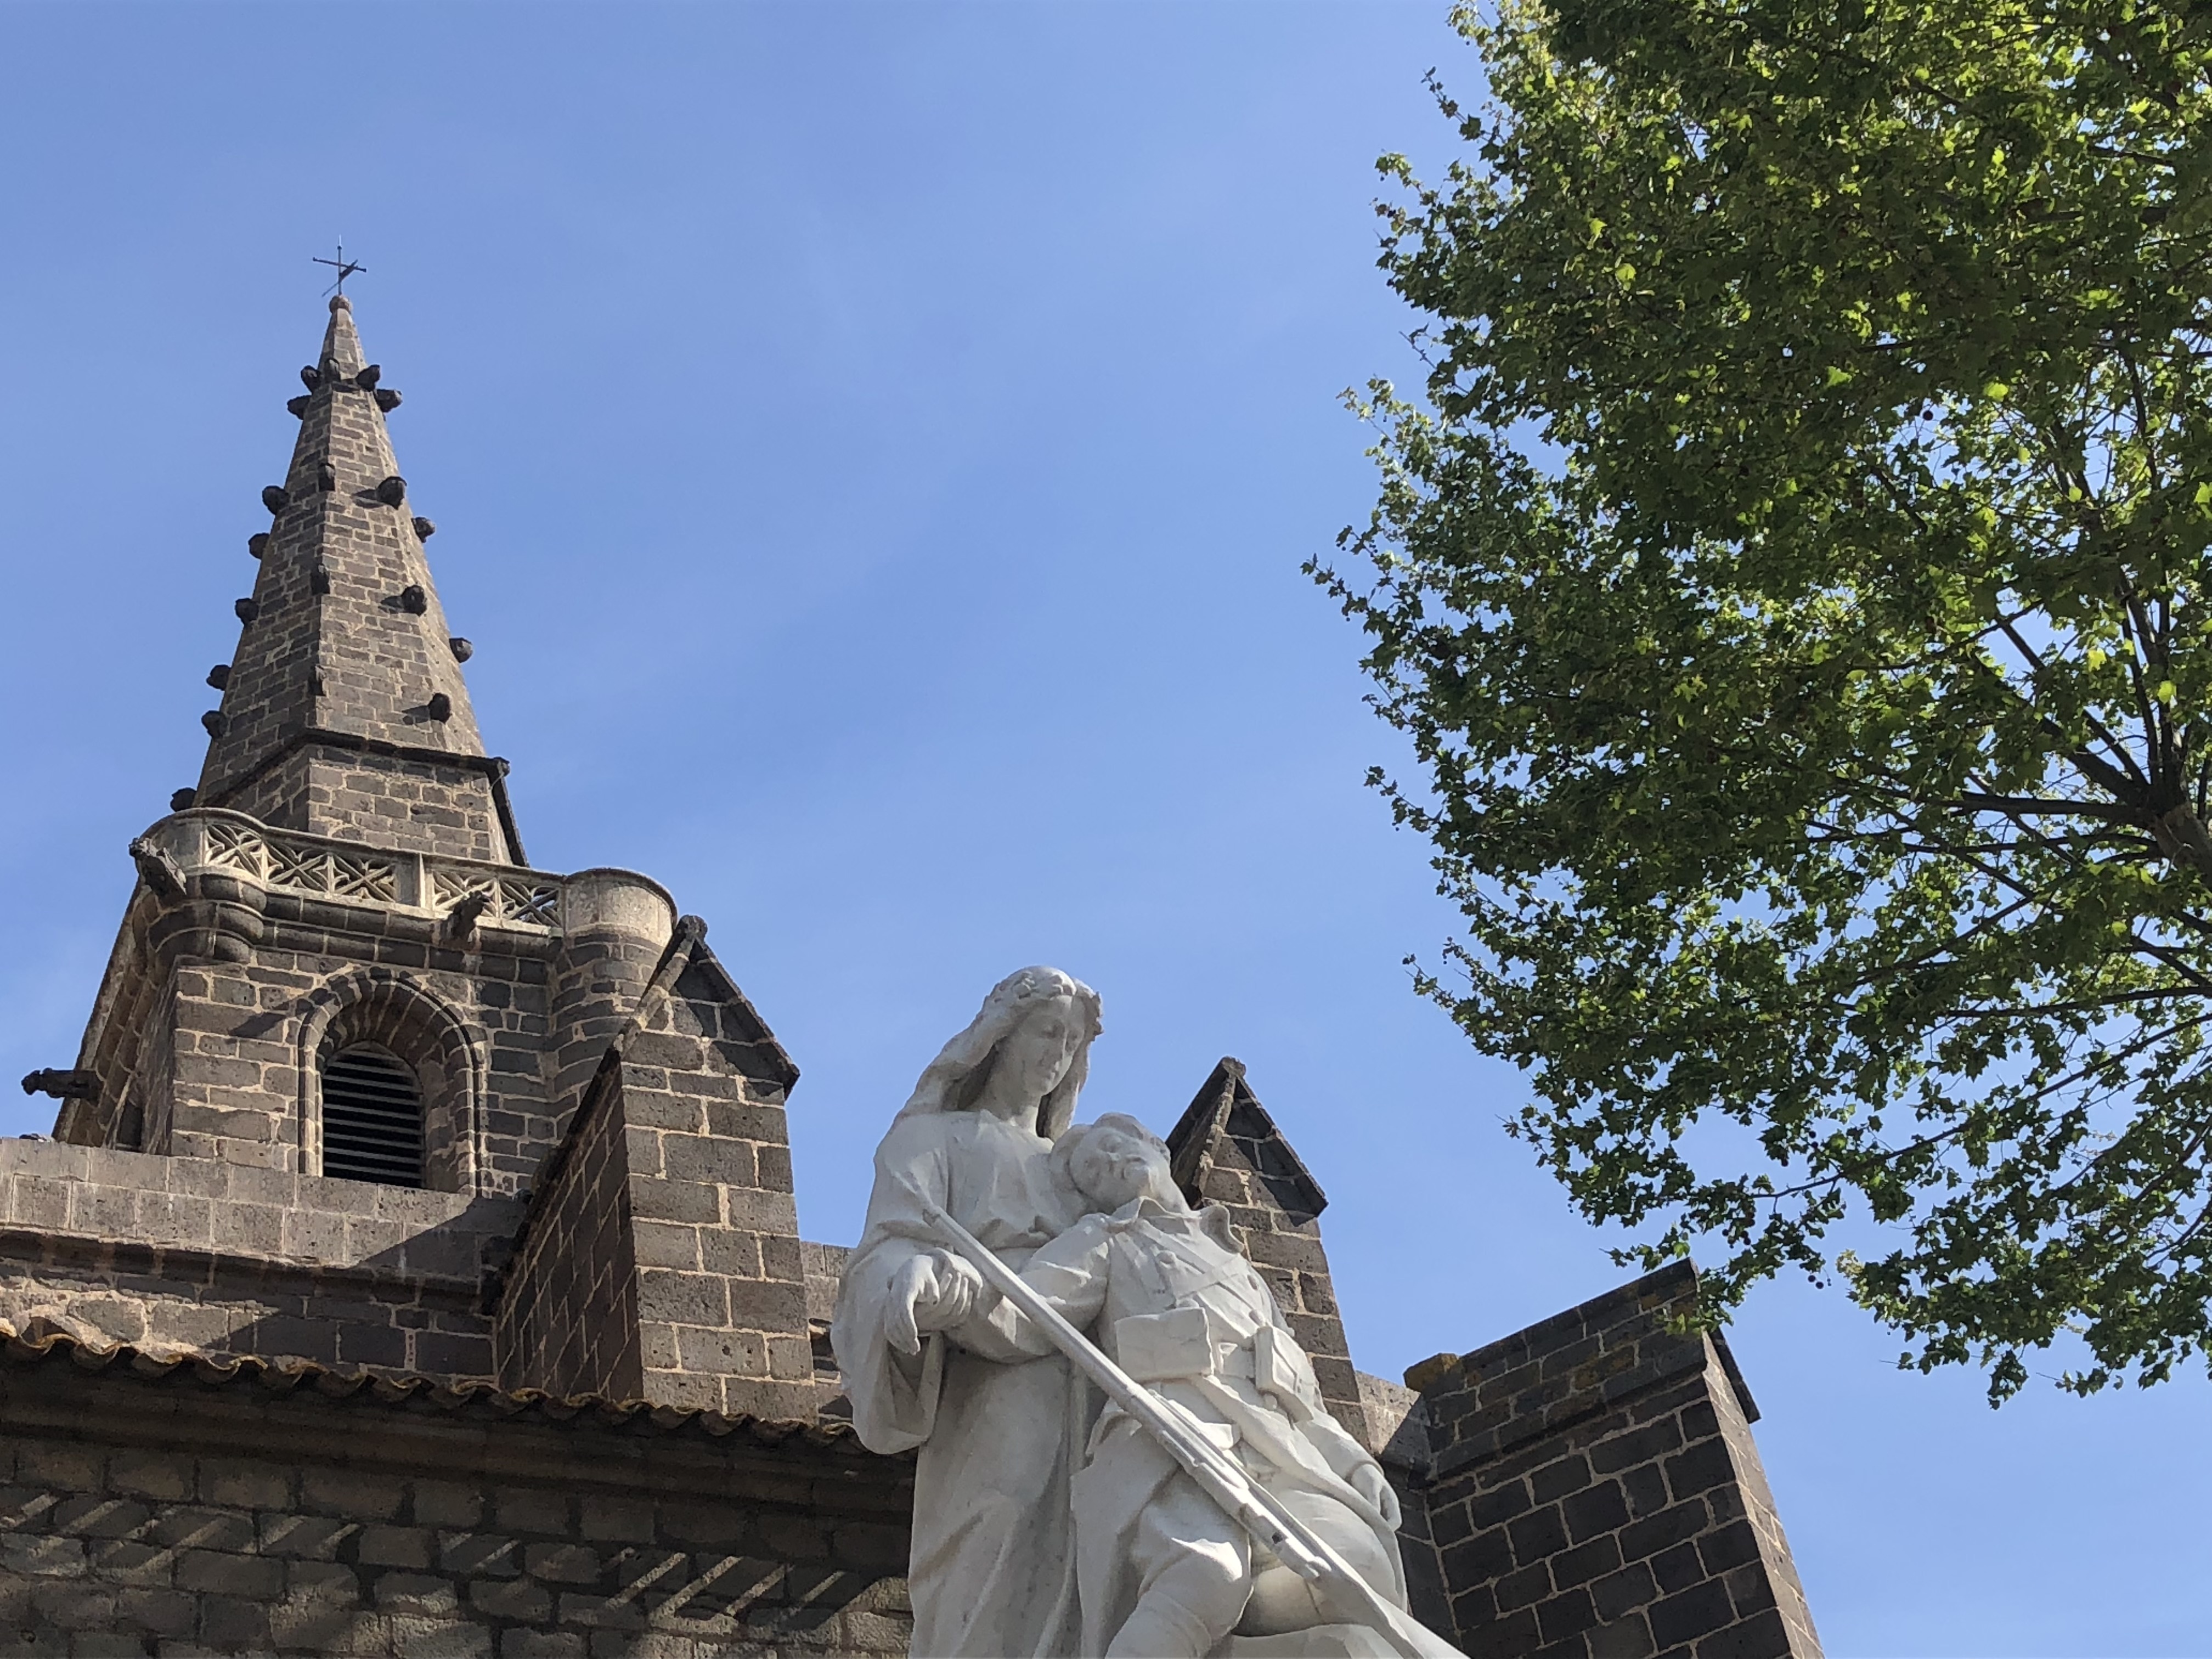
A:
(372, 1118)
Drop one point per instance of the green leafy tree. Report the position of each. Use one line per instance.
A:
(1794, 585)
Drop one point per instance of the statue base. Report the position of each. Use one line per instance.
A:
(1321, 1642)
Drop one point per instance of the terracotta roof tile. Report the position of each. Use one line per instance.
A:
(39, 1343)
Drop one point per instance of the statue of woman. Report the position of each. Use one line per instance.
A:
(992, 1567)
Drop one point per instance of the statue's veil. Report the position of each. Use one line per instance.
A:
(953, 1081)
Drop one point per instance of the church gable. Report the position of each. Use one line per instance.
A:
(1225, 1118)
(707, 1003)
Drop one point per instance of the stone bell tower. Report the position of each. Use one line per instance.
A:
(337, 971)
(347, 871)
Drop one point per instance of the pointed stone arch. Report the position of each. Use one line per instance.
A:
(399, 1013)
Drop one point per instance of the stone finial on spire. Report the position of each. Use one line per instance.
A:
(341, 345)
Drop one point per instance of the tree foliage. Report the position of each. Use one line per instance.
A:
(1794, 585)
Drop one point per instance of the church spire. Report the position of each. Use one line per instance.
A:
(343, 709)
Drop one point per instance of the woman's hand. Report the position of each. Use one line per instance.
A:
(928, 1292)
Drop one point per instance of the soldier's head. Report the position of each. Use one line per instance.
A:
(1114, 1161)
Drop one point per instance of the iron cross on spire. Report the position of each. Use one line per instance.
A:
(344, 267)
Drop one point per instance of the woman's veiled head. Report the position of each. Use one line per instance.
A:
(1029, 1046)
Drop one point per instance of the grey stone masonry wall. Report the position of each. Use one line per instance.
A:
(721, 1284)
(381, 799)
(599, 980)
(1228, 1150)
(146, 1511)
(222, 997)
(825, 1273)
(567, 1301)
(191, 1254)
(218, 1003)
(676, 1171)
(344, 634)
(1398, 1435)
(1592, 1490)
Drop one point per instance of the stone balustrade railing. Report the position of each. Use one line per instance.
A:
(210, 839)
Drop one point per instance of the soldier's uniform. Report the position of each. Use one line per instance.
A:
(1162, 1571)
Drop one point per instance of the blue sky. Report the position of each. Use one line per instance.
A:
(873, 448)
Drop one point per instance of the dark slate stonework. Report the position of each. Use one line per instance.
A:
(327, 714)
(1591, 1489)
(567, 1307)
(1398, 1436)
(660, 1257)
(196, 1253)
(220, 1002)
(381, 796)
(152, 1508)
(824, 1266)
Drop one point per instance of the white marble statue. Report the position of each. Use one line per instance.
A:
(1001, 1426)
(1042, 1525)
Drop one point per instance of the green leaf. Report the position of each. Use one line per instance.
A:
(1827, 770)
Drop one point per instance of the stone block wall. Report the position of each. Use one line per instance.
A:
(1592, 1490)
(567, 1301)
(1228, 1150)
(175, 1253)
(382, 798)
(669, 1207)
(825, 1273)
(721, 1284)
(216, 1002)
(472, 1025)
(156, 1511)
(1398, 1436)
(145, 1113)
(607, 962)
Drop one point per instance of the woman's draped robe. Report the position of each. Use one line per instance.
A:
(993, 1566)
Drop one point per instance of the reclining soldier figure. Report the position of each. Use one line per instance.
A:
(1166, 1293)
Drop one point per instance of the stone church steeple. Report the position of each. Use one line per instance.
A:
(344, 712)
(345, 1029)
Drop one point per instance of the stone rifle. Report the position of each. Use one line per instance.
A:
(1243, 1499)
